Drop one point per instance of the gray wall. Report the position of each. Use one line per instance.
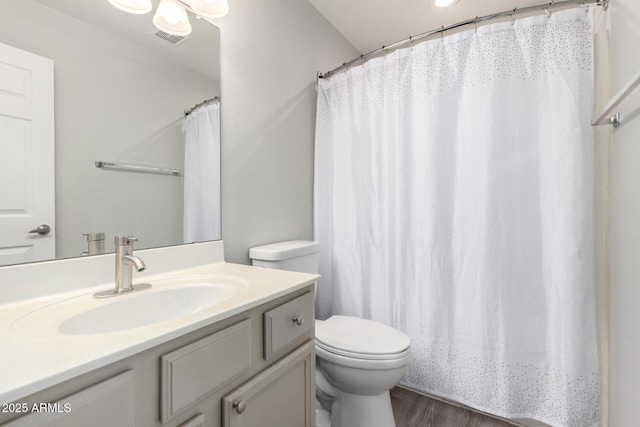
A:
(625, 222)
(271, 51)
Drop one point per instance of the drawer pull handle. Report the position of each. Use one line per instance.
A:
(298, 320)
(240, 406)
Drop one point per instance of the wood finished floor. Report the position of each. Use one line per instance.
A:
(415, 410)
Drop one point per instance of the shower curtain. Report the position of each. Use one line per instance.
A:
(453, 200)
(202, 175)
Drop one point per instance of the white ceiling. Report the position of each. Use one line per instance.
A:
(199, 53)
(370, 24)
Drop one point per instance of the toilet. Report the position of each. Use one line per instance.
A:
(357, 360)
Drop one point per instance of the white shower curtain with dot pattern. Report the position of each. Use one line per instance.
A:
(453, 201)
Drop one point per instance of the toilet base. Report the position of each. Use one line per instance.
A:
(352, 410)
(323, 418)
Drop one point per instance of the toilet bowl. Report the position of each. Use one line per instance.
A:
(357, 360)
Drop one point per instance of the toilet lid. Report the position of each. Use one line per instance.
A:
(354, 336)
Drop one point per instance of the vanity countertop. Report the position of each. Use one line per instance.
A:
(36, 355)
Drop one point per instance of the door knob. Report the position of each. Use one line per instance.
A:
(42, 230)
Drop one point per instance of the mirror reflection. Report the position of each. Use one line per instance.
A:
(83, 83)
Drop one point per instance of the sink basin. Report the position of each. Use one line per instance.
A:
(145, 309)
(168, 299)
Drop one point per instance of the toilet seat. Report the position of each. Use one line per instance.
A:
(368, 364)
(360, 356)
(361, 339)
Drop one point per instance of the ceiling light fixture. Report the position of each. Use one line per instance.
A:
(210, 8)
(172, 18)
(171, 15)
(133, 6)
(444, 3)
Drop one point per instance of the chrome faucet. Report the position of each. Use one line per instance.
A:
(95, 243)
(125, 262)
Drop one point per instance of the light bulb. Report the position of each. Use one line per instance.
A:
(133, 6)
(444, 3)
(172, 18)
(172, 13)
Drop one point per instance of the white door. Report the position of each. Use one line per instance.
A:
(27, 188)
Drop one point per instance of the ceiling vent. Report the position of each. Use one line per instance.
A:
(169, 38)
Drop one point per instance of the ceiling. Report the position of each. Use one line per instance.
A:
(370, 24)
(200, 52)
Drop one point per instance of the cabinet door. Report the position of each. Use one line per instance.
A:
(282, 395)
(198, 369)
(106, 404)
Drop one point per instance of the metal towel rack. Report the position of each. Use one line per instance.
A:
(606, 117)
(132, 167)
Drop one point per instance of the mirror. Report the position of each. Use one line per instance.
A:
(120, 93)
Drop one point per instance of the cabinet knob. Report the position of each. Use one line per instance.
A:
(298, 320)
(240, 406)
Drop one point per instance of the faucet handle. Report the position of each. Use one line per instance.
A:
(94, 237)
(125, 240)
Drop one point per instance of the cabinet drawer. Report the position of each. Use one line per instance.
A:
(192, 372)
(287, 323)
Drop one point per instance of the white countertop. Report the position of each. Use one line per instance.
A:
(35, 355)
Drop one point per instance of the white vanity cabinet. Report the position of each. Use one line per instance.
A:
(252, 369)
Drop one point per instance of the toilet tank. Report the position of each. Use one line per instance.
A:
(294, 255)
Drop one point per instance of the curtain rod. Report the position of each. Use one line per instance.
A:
(508, 13)
(205, 102)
